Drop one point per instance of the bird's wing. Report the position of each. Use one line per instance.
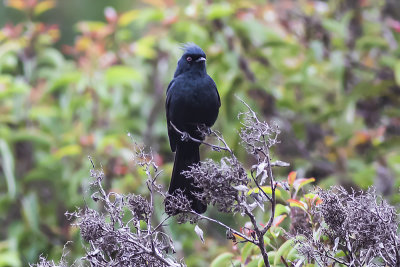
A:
(215, 86)
(171, 132)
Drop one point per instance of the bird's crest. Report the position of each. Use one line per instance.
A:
(192, 48)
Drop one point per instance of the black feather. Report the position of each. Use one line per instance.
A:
(192, 100)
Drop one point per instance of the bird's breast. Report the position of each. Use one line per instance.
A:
(197, 102)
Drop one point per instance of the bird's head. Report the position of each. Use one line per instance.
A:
(193, 59)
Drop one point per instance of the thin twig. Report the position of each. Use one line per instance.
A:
(260, 188)
(186, 135)
(224, 225)
(161, 223)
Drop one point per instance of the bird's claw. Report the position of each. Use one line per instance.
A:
(204, 130)
(185, 136)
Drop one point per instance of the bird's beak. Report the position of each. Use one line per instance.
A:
(201, 59)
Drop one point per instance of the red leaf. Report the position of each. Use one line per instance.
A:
(296, 203)
(291, 177)
(279, 219)
(394, 24)
(170, 20)
(299, 183)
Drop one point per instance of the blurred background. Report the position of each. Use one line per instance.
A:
(77, 76)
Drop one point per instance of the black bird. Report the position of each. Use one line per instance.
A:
(192, 100)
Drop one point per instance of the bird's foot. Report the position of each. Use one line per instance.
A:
(185, 136)
(207, 131)
(204, 130)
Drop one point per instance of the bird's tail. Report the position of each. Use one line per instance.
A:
(187, 154)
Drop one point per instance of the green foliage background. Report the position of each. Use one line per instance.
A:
(77, 76)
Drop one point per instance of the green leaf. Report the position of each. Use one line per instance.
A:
(36, 137)
(261, 260)
(30, 210)
(397, 72)
(37, 112)
(370, 42)
(150, 14)
(310, 195)
(283, 251)
(253, 262)
(280, 209)
(43, 6)
(219, 10)
(340, 254)
(10, 258)
(92, 26)
(335, 26)
(293, 254)
(8, 62)
(246, 251)
(145, 47)
(66, 79)
(266, 189)
(271, 258)
(51, 57)
(128, 17)
(367, 89)
(10, 87)
(121, 75)
(267, 240)
(276, 231)
(364, 177)
(70, 150)
(222, 260)
(8, 167)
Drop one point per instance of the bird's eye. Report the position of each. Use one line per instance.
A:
(189, 59)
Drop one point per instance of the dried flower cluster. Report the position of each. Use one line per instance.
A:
(112, 241)
(43, 262)
(115, 240)
(361, 225)
(138, 206)
(257, 136)
(179, 206)
(227, 186)
(221, 183)
(92, 225)
(350, 229)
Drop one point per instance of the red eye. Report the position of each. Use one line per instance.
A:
(189, 59)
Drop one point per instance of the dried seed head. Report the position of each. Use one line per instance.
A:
(139, 206)
(220, 183)
(92, 225)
